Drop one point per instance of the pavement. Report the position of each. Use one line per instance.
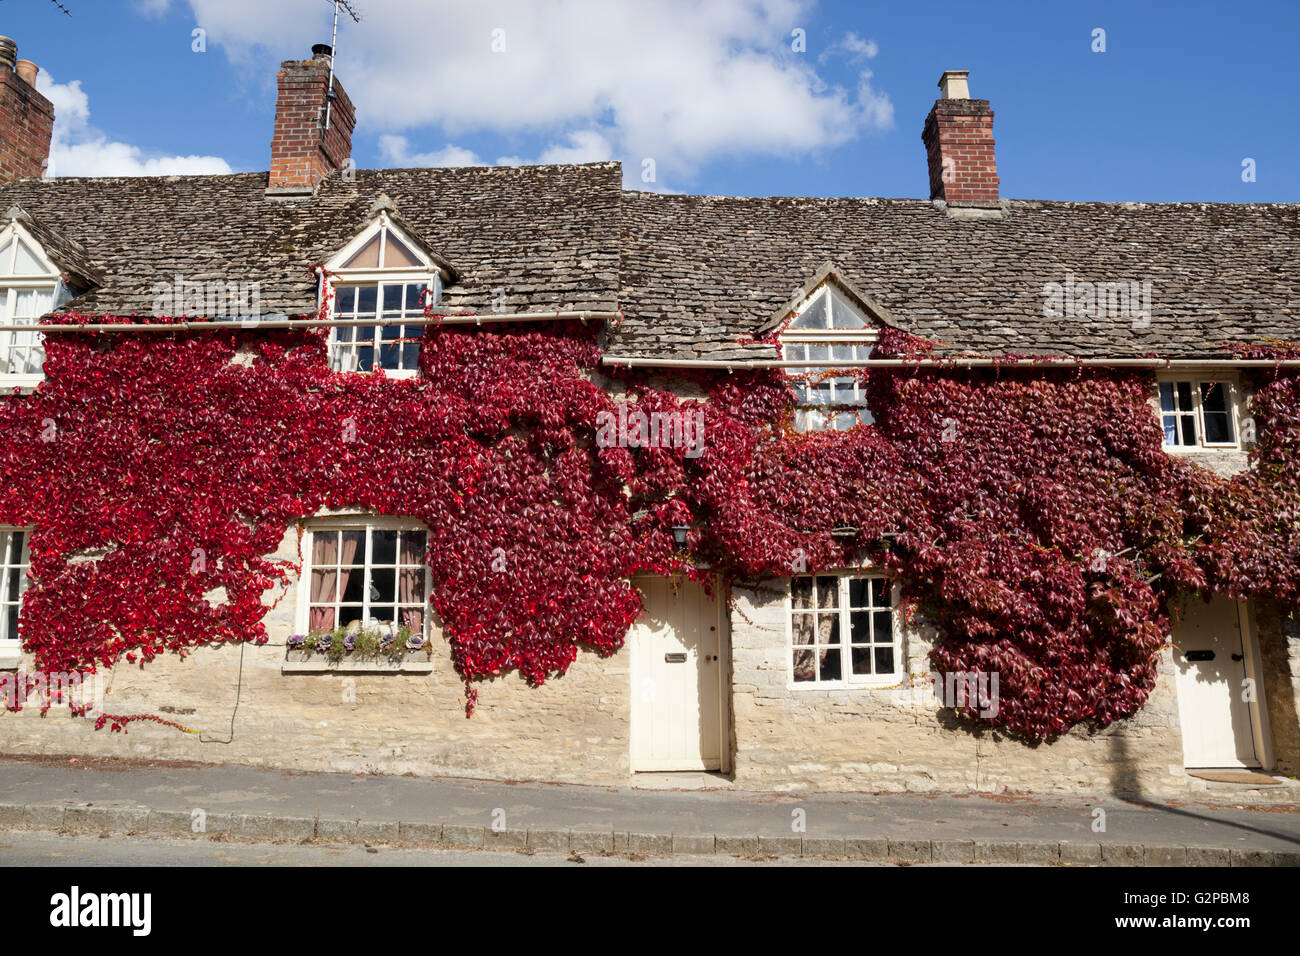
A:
(251, 804)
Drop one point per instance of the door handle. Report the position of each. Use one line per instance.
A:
(1199, 655)
(1236, 657)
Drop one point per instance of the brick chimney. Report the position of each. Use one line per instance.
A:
(26, 117)
(303, 150)
(958, 139)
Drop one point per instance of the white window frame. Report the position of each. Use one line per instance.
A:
(848, 679)
(427, 273)
(10, 285)
(797, 344)
(1196, 379)
(10, 644)
(355, 522)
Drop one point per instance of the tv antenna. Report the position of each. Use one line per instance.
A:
(330, 95)
(66, 11)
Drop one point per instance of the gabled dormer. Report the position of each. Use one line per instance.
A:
(384, 275)
(38, 273)
(831, 321)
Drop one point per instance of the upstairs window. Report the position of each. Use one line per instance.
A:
(827, 328)
(1198, 412)
(29, 288)
(381, 279)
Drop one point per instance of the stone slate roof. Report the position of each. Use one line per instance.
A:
(698, 276)
(545, 235)
(703, 273)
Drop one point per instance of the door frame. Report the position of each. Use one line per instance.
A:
(723, 671)
(1252, 665)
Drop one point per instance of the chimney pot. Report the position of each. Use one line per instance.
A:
(322, 51)
(953, 85)
(27, 71)
(8, 52)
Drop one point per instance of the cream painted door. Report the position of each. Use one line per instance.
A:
(676, 678)
(1215, 711)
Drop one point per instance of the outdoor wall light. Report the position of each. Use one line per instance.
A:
(679, 535)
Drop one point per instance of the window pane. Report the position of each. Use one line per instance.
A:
(884, 660)
(805, 665)
(26, 264)
(859, 592)
(383, 545)
(397, 255)
(367, 296)
(1185, 396)
(801, 591)
(884, 630)
(1214, 396)
(393, 298)
(1218, 427)
(801, 628)
(828, 592)
(345, 299)
(367, 257)
(413, 544)
(879, 597)
(860, 627)
(1189, 429)
(845, 317)
(813, 317)
(413, 290)
(383, 586)
(830, 665)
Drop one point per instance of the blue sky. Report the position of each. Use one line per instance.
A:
(713, 93)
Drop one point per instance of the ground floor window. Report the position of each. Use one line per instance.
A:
(842, 630)
(14, 560)
(367, 574)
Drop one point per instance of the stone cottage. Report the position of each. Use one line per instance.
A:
(815, 680)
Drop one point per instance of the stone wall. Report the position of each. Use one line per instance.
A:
(1279, 652)
(895, 740)
(574, 728)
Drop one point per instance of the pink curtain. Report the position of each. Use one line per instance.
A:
(410, 580)
(326, 571)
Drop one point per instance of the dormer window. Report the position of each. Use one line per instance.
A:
(380, 279)
(29, 288)
(827, 327)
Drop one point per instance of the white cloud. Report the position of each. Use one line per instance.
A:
(78, 149)
(397, 153)
(677, 81)
(151, 8)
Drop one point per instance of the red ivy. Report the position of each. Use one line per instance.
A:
(1032, 515)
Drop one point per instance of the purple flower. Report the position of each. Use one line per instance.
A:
(296, 640)
(348, 641)
(415, 643)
